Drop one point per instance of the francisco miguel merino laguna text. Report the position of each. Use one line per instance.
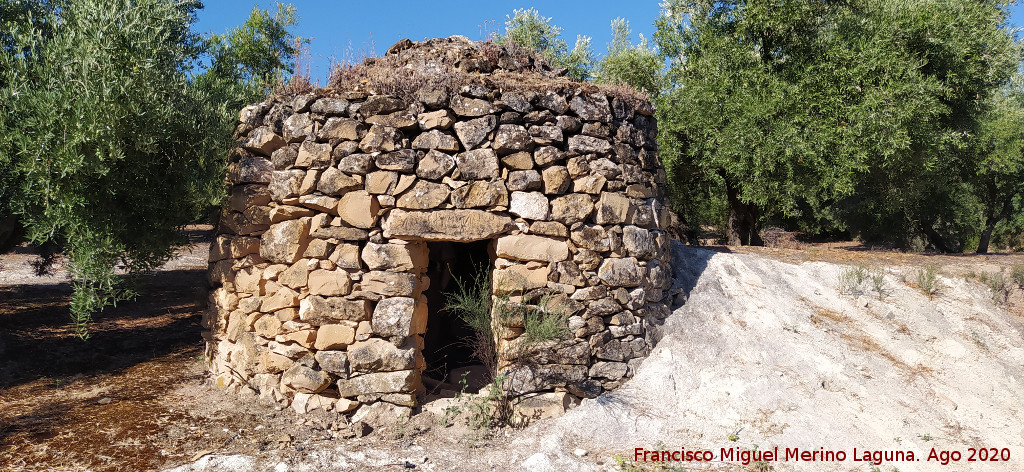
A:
(789, 454)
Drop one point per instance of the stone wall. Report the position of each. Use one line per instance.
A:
(320, 259)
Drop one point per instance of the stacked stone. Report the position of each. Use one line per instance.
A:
(321, 253)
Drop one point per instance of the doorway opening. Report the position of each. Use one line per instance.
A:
(448, 345)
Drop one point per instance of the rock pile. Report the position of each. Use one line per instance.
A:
(320, 261)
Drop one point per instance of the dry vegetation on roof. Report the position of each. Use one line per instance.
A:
(451, 63)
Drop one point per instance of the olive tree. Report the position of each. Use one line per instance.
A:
(108, 143)
(852, 115)
(529, 29)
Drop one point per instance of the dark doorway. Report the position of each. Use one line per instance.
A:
(448, 343)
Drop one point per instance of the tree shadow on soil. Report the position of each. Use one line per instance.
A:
(36, 340)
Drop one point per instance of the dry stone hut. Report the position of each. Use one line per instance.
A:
(355, 210)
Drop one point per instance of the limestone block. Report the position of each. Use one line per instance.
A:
(519, 278)
(321, 203)
(284, 157)
(288, 212)
(285, 242)
(381, 182)
(336, 182)
(609, 370)
(549, 228)
(317, 310)
(263, 141)
(341, 129)
(389, 284)
(410, 257)
(303, 337)
(473, 132)
(423, 195)
(285, 184)
(359, 209)
(305, 379)
(518, 161)
(516, 101)
(572, 208)
(478, 164)
(334, 336)
(614, 208)
(435, 165)
(534, 378)
(464, 106)
(545, 405)
(639, 242)
(296, 275)
(546, 135)
(378, 355)
(244, 197)
(296, 127)
(273, 363)
(402, 381)
(440, 119)
(313, 154)
(436, 139)
(524, 180)
(556, 180)
(445, 225)
(554, 102)
(399, 316)
(400, 120)
(512, 138)
(381, 104)
(546, 155)
(381, 414)
(346, 256)
(480, 193)
(330, 106)
(358, 164)
(333, 362)
(621, 272)
(381, 139)
(526, 247)
(284, 297)
(402, 160)
(529, 205)
(592, 237)
(588, 144)
(592, 184)
(329, 283)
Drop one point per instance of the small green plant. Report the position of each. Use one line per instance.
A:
(1017, 274)
(928, 280)
(491, 317)
(1000, 285)
(850, 280)
(926, 437)
(878, 282)
(735, 436)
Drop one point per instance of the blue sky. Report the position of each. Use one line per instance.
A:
(345, 29)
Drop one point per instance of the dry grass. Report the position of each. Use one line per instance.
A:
(822, 314)
(449, 65)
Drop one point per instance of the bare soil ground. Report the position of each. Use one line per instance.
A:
(136, 396)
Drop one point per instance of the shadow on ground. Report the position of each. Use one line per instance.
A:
(39, 343)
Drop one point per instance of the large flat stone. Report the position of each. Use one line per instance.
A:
(381, 382)
(527, 247)
(445, 225)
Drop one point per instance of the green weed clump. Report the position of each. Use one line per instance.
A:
(850, 280)
(490, 316)
(928, 280)
(1000, 285)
